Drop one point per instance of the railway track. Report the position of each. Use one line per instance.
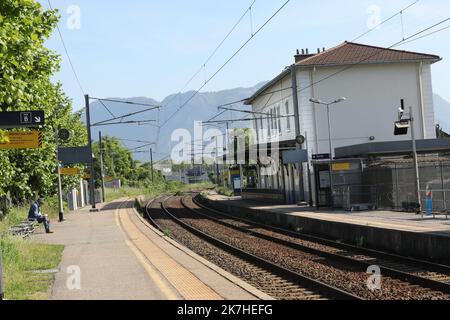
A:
(423, 273)
(273, 279)
(336, 271)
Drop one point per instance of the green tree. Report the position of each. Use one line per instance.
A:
(118, 163)
(26, 68)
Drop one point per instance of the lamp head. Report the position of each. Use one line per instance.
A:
(315, 101)
(341, 100)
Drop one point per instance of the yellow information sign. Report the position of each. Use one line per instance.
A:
(22, 140)
(69, 171)
(342, 166)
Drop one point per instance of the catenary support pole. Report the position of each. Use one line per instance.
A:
(330, 165)
(91, 162)
(297, 127)
(310, 200)
(102, 172)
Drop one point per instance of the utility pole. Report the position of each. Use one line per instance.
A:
(60, 197)
(91, 162)
(100, 141)
(217, 162)
(297, 125)
(401, 128)
(151, 162)
(309, 173)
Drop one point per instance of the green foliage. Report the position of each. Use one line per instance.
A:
(225, 191)
(26, 68)
(118, 163)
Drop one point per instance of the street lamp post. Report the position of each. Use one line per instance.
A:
(330, 164)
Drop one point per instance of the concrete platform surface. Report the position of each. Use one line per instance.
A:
(402, 221)
(113, 255)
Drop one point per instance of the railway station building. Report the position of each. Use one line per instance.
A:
(374, 81)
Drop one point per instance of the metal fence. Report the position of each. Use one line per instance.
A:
(392, 186)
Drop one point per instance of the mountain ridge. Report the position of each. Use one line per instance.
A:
(202, 106)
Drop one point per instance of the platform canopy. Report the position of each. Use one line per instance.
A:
(392, 148)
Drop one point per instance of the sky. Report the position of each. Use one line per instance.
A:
(138, 48)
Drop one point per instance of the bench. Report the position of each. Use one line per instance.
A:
(24, 229)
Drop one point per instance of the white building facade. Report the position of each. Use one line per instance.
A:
(372, 79)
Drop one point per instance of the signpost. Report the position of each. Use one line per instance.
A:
(22, 140)
(22, 119)
(69, 171)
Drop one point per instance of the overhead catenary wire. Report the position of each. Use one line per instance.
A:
(155, 106)
(408, 39)
(68, 55)
(227, 62)
(385, 21)
(203, 66)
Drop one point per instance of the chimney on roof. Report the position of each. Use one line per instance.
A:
(323, 49)
(304, 55)
(318, 50)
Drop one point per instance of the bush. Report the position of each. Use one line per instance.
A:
(225, 191)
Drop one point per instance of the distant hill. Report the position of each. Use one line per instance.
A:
(202, 107)
(442, 112)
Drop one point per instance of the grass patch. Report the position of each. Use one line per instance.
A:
(20, 258)
(225, 191)
(124, 192)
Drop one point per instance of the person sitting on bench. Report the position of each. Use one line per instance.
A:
(35, 215)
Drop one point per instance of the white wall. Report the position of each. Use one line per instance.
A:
(373, 95)
(427, 99)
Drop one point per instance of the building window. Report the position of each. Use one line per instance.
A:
(272, 125)
(279, 119)
(288, 119)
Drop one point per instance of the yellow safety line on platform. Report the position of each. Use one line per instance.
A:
(153, 273)
(189, 286)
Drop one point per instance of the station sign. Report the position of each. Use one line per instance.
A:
(22, 140)
(322, 156)
(22, 119)
(69, 171)
(295, 156)
(74, 155)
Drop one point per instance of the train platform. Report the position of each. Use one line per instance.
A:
(115, 254)
(397, 232)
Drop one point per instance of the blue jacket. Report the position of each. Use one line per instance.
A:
(35, 212)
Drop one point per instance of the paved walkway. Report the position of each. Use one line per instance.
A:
(119, 257)
(382, 219)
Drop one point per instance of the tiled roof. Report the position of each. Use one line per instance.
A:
(350, 53)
